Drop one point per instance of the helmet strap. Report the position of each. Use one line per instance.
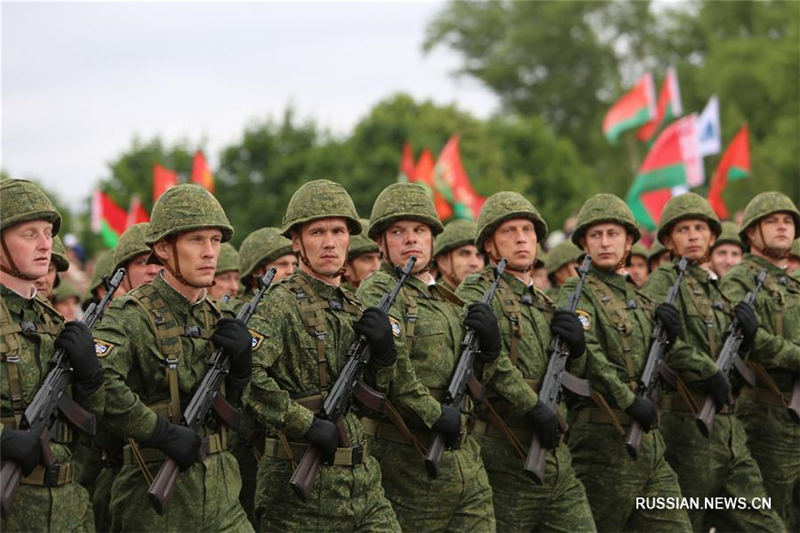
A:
(176, 272)
(384, 249)
(13, 271)
(770, 252)
(509, 267)
(339, 273)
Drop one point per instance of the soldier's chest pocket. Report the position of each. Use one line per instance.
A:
(430, 338)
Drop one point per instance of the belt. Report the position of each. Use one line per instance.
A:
(593, 414)
(344, 456)
(50, 476)
(211, 444)
(387, 431)
(761, 395)
(482, 427)
(675, 402)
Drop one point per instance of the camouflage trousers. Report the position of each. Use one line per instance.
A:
(717, 466)
(774, 441)
(520, 504)
(64, 508)
(248, 467)
(101, 497)
(459, 499)
(343, 498)
(614, 481)
(206, 498)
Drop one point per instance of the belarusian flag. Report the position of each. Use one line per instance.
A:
(734, 165)
(636, 108)
(451, 180)
(673, 163)
(163, 179)
(136, 212)
(668, 109)
(406, 164)
(423, 174)
(108, 219)
(200, 172)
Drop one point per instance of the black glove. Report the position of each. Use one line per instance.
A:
(481, 318)
(375, 326)
(179, 442)
(76, 340)
(323, 434)
(22, 447)
(545, 424)
(748, 322)
(670, 319)
(566, 324)
(232, 337)
(718, 388)
(449, 425)
(643, 411)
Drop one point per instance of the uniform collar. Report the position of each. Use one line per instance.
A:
(611, 278)
(13, 300)
(172, 296)
(324, 290)
(9, 290)
(763, 263)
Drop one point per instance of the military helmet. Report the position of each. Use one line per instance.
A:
(457, 233)
(602, 208)
(103, 267)
(59, 255)
(65, 291)
(264, 245)
(131, 244)
(403, 201)
(23, 201)
(503, 206)
(361, 244)
(228, 259)
(561, 254)
(320, 199)
(541, 257)
(685, 206)
(795, 251)
(765, 204)
(729, 235)
(640, 250)
(186, 207)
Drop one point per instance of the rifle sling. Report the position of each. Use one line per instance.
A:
(764, 376)
(607, 411)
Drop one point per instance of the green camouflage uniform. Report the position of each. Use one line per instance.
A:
(262, 246)
(720, 465)
(359, 244)
(64, 507)
(772, 436)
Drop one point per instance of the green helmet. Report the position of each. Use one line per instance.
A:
(656, 249)
(683, 206)
(262, 246)
(186, 207)
(601, 208)
(795, 251)
(729, 235)
(361, 244)
(561, 254)
(503, 206)
(59, 255)
(228, 259)
(22, 201)
(103, 267)
(403, 201)
(640, 250)
(65, 291)
(457, 233)
(541, 257)
(132, 243)
(320, 199)
(765, 204)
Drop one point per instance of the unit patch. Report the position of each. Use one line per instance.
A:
(585, 319)
(395, 326)
(256, 339)
(103, 348)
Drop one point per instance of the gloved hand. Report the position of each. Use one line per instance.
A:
(670, 319)
(566, 324)
(234, 339)
(178, 442)
(748, 321)
(643, 411)
(375, 326)
(323, 434)
(76, 340)
(481, 318)
(22, 447)
(449, 425)
(545, 424)
(718, 388)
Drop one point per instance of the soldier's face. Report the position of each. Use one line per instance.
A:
(460, 262)
(540, 279)
(46, 283)
(68, 308)
(30, 245)
(725, 257)
(690, 238)
(607, 244)
(515, 241)
(225, 283)
(284, 266)
(197, 251)
(324, 243)
(362, 266)
(565, 272)
(406, 238)
(775, 231)
(138, 272)
(638, 270)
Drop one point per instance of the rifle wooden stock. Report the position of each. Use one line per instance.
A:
(794, 402)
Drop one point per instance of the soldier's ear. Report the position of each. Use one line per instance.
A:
(161, 250)
(294, 235)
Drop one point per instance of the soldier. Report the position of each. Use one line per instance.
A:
(154, 344)
(727, 250)
(455, 254)
(771, 222)
(658, 255)
(103, 265)
(427, 328)
(637, 264)
(363, 259)
(540, 278)
(131, 254)
(510, 227)
(58, 264)
(226, 278)
(562, 262)
(721, 466)
(67, 301)
(31, 331)
(302, 331)
(793, 264)
(262, 249)
(617, 321)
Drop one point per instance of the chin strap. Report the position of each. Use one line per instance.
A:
(772, 253)
(385, 255)
(13, 271)
(307, 263)
(509, 267)
(176, 272)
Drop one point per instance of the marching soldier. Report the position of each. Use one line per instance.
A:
(657, 256)
(58, 264)
(261, 250)
(67, 300)
(562, 262)
(363, 259)
(727, 250)
(637, 267)
(455, 254)
(102, 270)
(131, 254)
(226, 278)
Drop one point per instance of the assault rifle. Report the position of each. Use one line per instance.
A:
(206, 396)
(555, 379)
(729, 360)
(461, 377)
(648, 383)
(50, 398)
(346, 387)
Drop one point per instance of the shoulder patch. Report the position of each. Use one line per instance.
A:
(103, 348)
(585, 319)
(256, 339)
(395, 326)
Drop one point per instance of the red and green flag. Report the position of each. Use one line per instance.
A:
(734, 165)
(407, 165)
(136, 212)
(163, 179)
(201, 174)
(108, 219)
(451, 181)
(636, 108)
(423, 173)
(668, 108)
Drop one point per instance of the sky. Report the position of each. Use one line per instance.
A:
(80, 80)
